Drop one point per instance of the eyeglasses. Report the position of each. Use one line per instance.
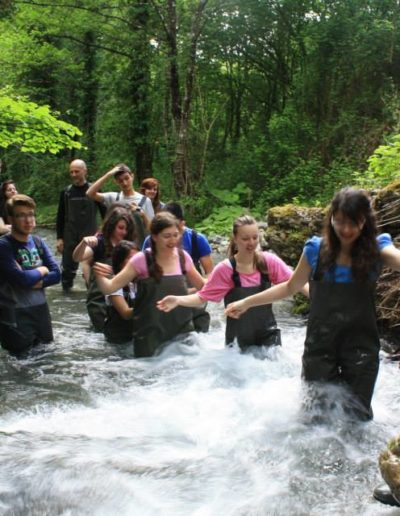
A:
(24, 216)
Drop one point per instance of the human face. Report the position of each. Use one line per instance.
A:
(151, 192)
(77, 173)
(247, 238)
(120, 231)
(23, 221)
(168, 238)
(125, 181)
(346, 229)
(10, 191)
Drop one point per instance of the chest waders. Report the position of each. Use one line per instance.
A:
(95, 300)
(80, 221)
(116, 329)
(257, 326)
(342, 341)
(24, 327)
(152, 327)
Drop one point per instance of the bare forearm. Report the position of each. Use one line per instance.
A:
(189, 300)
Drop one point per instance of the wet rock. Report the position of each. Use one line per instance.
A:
(389, 464)
(289, 227)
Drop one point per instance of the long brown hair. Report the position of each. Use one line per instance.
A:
(113, 216)
(161, 221)
(151, 182)
(354, 204)
(246, 220)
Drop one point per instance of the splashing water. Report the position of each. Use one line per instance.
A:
(200, 430)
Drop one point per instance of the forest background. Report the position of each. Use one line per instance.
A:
(232, 105)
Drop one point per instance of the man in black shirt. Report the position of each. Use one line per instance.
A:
(76, 218)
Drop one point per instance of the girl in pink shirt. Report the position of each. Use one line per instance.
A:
(246, 272)
(158, 272)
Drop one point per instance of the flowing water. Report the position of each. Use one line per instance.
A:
(200, 430)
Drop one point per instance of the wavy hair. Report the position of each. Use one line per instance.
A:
(355, 205)
(114, 215)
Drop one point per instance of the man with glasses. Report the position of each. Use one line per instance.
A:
(27, 266)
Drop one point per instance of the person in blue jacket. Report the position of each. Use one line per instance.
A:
(342, 267)
(27, 267)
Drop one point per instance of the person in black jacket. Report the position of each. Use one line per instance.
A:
(76, 218)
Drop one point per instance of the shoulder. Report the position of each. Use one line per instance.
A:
(278, 270)
(5, 242)
(109, 196)
(313, 245)
(188, 258)
(384, 240)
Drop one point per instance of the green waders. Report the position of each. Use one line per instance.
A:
(80, 221)
(257, 326)
(152, 327)
(342, 341)
(116, 329)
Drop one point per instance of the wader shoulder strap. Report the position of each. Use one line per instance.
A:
(318, 274)
(263, 270)
(182, 261)
(150, 261)
(236, 277)
(67, 193)
(195, 246)
(235, 274)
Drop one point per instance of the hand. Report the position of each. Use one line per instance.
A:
(135, 207)
(90, 241)
(43, 270)
(236, 309)
(113, 171)
(38, 285)
(168, 303)
(60, 245)
(102, 269)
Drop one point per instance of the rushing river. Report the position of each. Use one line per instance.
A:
(200, 430)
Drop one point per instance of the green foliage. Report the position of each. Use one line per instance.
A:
(33, 128)
(384, 166)
(227, 205)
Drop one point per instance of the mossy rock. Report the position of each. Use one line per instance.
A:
(289, 227)
(389, 465)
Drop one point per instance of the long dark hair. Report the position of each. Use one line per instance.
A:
(246, 220)
(113, 216)
(161, 221)
(121, 252)
(355, 205)
(148, 183)
(3, 199)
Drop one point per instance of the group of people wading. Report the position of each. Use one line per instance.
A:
(149, 277)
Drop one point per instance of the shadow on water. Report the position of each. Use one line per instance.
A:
(203, 430)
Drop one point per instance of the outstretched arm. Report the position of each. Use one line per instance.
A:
(391, 257)
(107, 285)
(93, 191)
(168, 303)
(281, 291)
